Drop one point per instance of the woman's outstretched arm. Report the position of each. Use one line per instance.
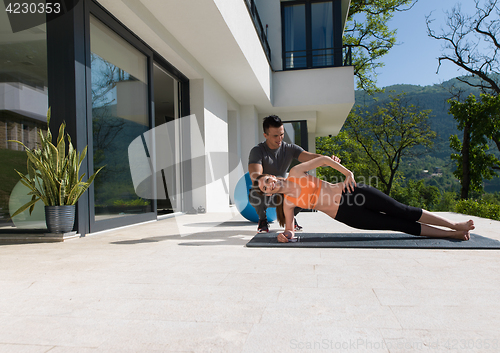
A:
(322, 161)
(289, 227)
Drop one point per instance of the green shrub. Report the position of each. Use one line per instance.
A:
(478, 208)
(417, 194)
(447, 203)
(493, 198)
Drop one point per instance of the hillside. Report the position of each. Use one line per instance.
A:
(435, 98)
(426, 97)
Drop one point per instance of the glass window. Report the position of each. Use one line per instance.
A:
(295, 36)
(119, 116)
(308, 34)
(166, 141)
(23, 109)
(296, 133)
(322, 34)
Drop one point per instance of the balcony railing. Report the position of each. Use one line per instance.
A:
(316, 58)
(252, 9)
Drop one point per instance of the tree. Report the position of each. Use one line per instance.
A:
(479, 120)
(472, 42)
(389, 134)
(368, 34)
(417, 194)
(352, 155)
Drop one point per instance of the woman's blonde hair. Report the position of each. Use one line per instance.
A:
(279, 200)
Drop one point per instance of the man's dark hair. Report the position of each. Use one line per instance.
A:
(271, 121)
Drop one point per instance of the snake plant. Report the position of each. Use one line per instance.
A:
(53, 171)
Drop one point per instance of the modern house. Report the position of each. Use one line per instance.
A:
(169, 95)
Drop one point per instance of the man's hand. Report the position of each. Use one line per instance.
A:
(255, 170)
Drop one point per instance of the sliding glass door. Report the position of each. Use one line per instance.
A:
(120, 114)
(167, 141)
(23, 109)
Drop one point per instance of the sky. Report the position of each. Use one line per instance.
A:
(414, 59)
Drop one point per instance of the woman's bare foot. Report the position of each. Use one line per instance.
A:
(461, 235)
(469, 225)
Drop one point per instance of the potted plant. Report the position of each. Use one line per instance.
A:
(53, 177)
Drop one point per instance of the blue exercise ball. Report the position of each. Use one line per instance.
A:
(243, 204)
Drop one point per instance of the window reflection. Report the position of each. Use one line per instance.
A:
(296, 133)
(23, 108)
(295, 36)
(308, 34)
(119, 115)
(322, 34)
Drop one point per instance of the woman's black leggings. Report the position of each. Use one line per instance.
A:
(369, 208)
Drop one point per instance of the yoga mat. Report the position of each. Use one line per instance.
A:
(372, 241)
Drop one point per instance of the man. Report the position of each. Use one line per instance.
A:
(273, 156)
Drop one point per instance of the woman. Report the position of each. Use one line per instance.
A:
(359, 206)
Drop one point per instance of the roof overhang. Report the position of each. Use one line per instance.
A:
(203, 39)
(328, 91)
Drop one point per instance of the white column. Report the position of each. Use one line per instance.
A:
(236, 162)
(216, 146)
(197, 146)
(251, 132)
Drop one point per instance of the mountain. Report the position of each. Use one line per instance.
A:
(434, 98)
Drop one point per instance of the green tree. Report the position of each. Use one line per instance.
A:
(472, 42)
(351, 154)
(418, 194)
(491, 117)
(479, 121)
(382, 138)
(389, 134)
(368, 34)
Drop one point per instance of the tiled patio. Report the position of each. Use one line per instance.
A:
(147, 288)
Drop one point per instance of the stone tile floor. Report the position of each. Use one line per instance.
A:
(189, 284)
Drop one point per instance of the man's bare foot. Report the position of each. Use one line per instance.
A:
(461, 235)
(469, 225)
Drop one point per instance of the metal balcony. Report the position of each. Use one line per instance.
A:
(317, 58)
(252, 9)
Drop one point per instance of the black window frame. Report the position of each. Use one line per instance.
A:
(69, 77)
(337, 33)
(304, 142)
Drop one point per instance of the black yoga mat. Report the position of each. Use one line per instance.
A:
(372, 240)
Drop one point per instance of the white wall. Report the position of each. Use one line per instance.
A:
(197, 147)
(215, 176)
(251, 132)
(270, 15)
(313, 87)
(236, 16)
(236, 169)
(216, 148)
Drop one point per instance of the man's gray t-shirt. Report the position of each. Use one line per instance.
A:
(274, 162)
